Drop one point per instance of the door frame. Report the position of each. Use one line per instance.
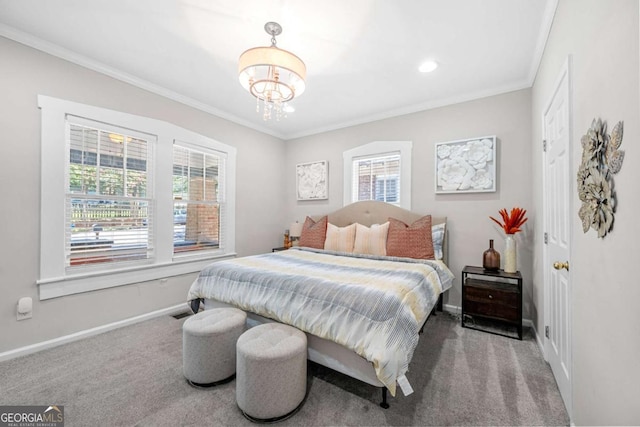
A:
(565, 72)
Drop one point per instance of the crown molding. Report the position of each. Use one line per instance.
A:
(60, 52)
(543, 36)
(416, 108)
(91, 64)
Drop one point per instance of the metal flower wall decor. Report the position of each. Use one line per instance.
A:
(601, 159)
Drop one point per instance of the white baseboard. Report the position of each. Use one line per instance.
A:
(33, 348)
(453, 309)
(539, 340)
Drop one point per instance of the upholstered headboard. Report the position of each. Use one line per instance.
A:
(372, 212)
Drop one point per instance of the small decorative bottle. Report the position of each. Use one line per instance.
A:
(287, 241)
(491, 258)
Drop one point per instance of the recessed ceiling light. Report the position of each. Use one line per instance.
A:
(428, 66)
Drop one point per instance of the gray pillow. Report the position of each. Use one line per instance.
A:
(437, 235)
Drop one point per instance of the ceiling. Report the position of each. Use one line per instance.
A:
(362, 56)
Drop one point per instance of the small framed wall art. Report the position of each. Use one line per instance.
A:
(312, 180)
(466, 165)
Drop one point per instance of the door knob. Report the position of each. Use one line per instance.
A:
(560, 265)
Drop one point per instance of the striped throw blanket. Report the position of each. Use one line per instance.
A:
(372, 305)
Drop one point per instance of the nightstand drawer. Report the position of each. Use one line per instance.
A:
(495, 294)
(493, 299)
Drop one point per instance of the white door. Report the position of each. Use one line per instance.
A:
(557, 181)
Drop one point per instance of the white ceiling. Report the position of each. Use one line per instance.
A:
(362, 56)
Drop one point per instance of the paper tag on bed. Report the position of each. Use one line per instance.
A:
(403, 382)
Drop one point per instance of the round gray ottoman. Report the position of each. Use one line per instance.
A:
(209, 345)
(271, 373)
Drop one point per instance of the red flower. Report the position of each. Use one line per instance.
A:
(512, 222)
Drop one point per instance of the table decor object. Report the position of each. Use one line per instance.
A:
(491, 258)
(511, 224)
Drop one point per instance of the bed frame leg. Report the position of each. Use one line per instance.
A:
(384, 403)
(195, 305)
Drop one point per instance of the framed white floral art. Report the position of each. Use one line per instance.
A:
(312, 180)
(466, 165)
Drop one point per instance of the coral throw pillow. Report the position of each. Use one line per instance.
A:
(313, 233)
(410, 241)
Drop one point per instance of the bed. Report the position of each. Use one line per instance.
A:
(362, 312)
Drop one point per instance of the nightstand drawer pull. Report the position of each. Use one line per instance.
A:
(490, 296)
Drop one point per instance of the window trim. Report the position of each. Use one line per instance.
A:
(54, 281)
(379, 148)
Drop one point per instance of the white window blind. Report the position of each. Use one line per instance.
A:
(377, 178)
(108, 201)
(109, 217)
(198, 196)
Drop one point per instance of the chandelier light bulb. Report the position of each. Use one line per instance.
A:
(428, 66)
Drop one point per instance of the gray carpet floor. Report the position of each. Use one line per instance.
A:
(133, 376)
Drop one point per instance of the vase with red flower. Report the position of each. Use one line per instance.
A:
(510, 254)
(511, 223)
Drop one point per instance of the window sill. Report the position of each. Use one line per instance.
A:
(86, 282)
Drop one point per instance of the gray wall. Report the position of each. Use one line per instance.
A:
(507, 116)
(25, 73)
(602, 38)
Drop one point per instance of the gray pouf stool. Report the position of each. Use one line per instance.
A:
(271, 373)
(209, 345)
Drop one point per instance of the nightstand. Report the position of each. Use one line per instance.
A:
(491, 295)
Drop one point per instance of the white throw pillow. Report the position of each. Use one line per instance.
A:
(340, 239)
(371, 240)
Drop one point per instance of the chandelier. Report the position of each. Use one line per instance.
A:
(273, 75)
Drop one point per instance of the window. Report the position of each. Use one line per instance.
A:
(108, 200)
(197, 199)
(124, 200)
(380, 171)
(377, 178)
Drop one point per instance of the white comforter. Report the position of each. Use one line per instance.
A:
(375, 306)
